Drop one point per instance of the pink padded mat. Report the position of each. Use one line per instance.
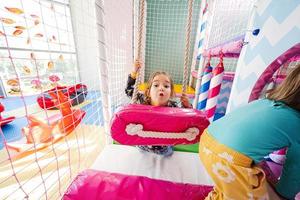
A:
(93, 184)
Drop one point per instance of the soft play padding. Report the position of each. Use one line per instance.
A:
(76, 94)
(93, 184)
(172, 121)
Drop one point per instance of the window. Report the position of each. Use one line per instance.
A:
(36, 42)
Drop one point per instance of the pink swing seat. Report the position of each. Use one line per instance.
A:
(137, 124)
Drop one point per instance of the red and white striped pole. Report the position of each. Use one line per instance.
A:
(214, 89)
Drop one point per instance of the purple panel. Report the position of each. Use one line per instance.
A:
(271, 69)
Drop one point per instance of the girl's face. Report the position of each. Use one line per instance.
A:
(160, 90)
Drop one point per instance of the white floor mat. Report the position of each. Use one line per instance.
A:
(181, 167)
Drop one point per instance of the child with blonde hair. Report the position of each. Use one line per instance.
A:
(159, 92)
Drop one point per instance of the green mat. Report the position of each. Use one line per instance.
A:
(194, 148)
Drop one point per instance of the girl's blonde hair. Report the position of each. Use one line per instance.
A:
(150, 82)
(289, 90)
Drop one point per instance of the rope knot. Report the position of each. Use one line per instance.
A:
(191, 133)
(133, 129)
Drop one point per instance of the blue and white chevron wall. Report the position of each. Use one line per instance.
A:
(279, 26)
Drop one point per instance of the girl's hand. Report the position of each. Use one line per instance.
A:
(137, 65)
(185, 101)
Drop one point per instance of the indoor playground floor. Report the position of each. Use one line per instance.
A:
(90, 139)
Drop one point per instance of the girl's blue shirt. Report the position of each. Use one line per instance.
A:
(258, 129)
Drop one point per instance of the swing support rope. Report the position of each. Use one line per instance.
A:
(186, 53)
(187, 45)
(139, 48)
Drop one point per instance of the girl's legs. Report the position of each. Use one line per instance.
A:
(160, 150)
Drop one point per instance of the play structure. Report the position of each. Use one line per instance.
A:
(76, 95)
(64, 66)
(147, 125)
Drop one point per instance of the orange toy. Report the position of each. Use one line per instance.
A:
(38, 131)
(70, 118)
(42, 133)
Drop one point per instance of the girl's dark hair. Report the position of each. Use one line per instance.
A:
(289, 90)
(150, 82)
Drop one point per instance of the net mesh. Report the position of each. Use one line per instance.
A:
(229, 20)
(44, 45)
(165, 36)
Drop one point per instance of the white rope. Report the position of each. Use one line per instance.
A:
(187, 45)
(139, 49)
(137, 129)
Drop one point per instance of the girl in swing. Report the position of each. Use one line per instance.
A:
(159, 92)
(232, 147)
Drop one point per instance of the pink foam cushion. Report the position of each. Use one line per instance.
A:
(159, 119)
(231, 49)
(272, 171)
(275, 168)
(93, 184)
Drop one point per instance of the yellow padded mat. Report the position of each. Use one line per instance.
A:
(177, 89)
